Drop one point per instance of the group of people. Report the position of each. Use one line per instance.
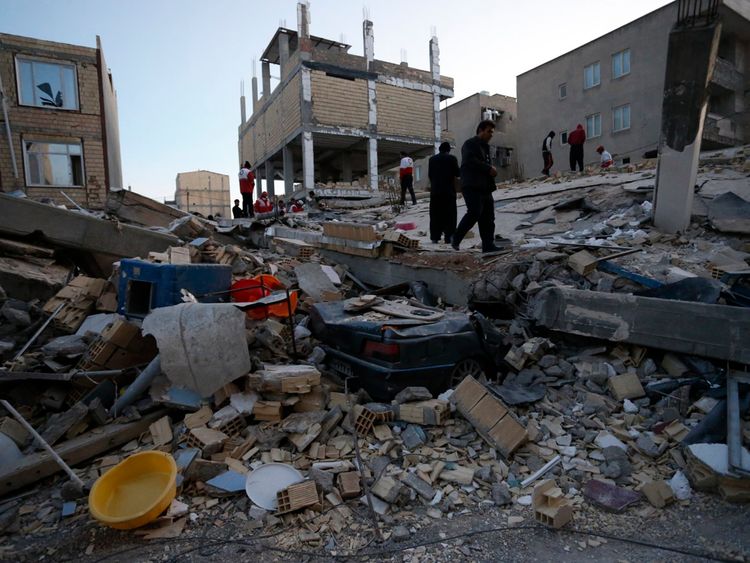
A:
(263, 204)
(576, 139)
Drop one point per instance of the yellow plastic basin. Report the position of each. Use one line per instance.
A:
(135, 491)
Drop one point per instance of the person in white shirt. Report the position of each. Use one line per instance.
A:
(606, 161)
(547, 153)
(405, 174)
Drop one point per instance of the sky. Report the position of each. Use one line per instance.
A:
(177, 65)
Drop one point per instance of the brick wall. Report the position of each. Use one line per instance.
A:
(405, 112)
(208, 192)
(26, 122)
(338, 101)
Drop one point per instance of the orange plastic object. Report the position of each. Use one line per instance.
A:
(252, 289)
(135, 491)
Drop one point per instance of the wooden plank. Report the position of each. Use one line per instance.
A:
(35, 467)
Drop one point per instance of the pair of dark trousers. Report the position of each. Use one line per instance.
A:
(576, 157)
(442, 215)
(548, 162)
(407, 183)
(480, 208)
(247, 204)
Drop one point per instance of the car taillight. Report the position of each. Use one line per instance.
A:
(387, 351)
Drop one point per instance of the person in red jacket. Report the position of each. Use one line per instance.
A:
(576, 140)
(263, 204)
(247, 184)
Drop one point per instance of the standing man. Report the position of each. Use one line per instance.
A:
(576, 140)
(247, 184)
(237, 210)
(443, 172)
(477, 183)
(406, 175)
(547, 152)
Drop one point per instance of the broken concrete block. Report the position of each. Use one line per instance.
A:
(387, 488)
(609, 497)
(461, 475)
(14, 431)
(303, 439)
(296, 497)
(267, 410)
(583, 262)
(284, 379)
(550, 505)
(420, 486)
(412, 394)
(413, 436)
(433, 412)
(324, 479)
(161, 431)
(207, 440)
(658, 493)
(626, 386)
(349, 484)
(516, 358)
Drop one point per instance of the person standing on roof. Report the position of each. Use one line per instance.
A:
(477, 185)
(247, 184)
(406, 175)
(576, 140)
(606, 158)
(443, 172)
(547, 152)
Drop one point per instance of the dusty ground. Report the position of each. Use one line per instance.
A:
(705, 525)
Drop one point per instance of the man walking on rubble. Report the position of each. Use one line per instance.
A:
(406, 175)
(477, 185)
(547, 153)
(443, 172)
(576, 140)
(247, 184)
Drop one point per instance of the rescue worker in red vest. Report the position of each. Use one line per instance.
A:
(247, 184)
(263, 204)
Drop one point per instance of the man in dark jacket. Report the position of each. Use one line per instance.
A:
(547, 153)
(443, 170)
(477, 185)
(576, 140)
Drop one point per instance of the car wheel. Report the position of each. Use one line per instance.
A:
(467, 366)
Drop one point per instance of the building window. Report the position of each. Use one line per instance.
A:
(591, 76)
(621, 63)
(621, 118)
(562, 91)
(593, 125)
(44, 84)
(563, 138)
(53, 164)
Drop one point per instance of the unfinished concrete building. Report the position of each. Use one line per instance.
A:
(60, 129)
(614, 87)
(203, 192)
(334, 116)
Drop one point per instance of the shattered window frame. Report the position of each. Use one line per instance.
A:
(31, 95)
(621, 64)
(623, 111)
(39, 164)
(596, 120)
(563, 137)
(596, 75)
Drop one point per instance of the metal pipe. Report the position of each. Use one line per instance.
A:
(39, 331)
(138, 387)
(734, 435)
(22, 421)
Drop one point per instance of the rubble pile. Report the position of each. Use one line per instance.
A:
(323, 414)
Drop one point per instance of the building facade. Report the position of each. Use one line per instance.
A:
(614, 87)
(459, 122)
(203, 192)
(59, 129)
(335, 116)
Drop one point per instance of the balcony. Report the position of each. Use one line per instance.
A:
(726, 76)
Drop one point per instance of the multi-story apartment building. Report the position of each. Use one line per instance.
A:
(459, 122)
(60, 129)
(335, 116)
(203, 192)
(614, 86)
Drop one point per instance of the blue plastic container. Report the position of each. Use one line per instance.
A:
(144, 286)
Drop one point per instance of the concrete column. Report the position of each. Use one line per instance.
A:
(368, 36)
(435, 70)
(690, 61)
(255, 93)
(308, 161)
(372, 162)
(266, 75)
(269, 179)
(304, 44)
(346, 167)
(243, 115)
(283, 52)
(286, 154)
(258, 182)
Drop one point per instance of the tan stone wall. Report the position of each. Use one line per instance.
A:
(54, 124)
(203, 192)
(337, 101)
(290, 102)
(404, 112)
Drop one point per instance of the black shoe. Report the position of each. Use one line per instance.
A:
(456, 246)
(492, 248)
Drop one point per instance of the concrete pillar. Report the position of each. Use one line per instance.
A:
(346, 166)
(255, 93)
(269, 179)
(368, 37)
(304, 44)
(266, 75)
(243, 115)
(308, 161)
(286, 154)
(283, 52)
(258, 182)
(435, 70)
(372, 162)
(690, 61)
